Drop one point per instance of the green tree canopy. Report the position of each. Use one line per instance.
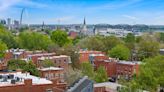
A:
(87, 69)
(30, 67)
(162, 37)
(25, 66)
(3, 47)
(47, 63)
(7, 37)
(92, 43)
(34, 41)
(151, 74)
(60, 37)
(148, 47)
(120, 51)
(101, 75)
(71, 51)
(110, 42)
(16, 64)
(130, 41)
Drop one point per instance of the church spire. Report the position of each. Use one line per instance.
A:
(84, 21)
(43, 26)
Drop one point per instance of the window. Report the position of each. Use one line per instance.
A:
(59, 61)
(46, 76)
(56, 75)
(61, 75)
(65, 61)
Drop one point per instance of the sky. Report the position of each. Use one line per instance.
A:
(150, 12)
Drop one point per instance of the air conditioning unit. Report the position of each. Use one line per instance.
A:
(13, 81)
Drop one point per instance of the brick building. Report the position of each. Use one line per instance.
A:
(23, 82)
(12, 54)
(73, 34)
(22, 54)
(117, 68)
(15, 54)
(61, 61)
(35, 57)
(127, 68)
(54, 74)
(86, 56)
(109, 65)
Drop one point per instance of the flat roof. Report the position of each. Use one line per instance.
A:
(52, 57)
(17, 53)
(129, 62)
(23, 76)
(50, 68)
(96, 55)
(161, 49)
(110, 85)
(89, 51)
(41, 54)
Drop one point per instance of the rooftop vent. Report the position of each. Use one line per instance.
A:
(1, 76)
(17, 79)
(4, 79)
(10, 76)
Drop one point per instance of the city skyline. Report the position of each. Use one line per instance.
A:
(96, 11)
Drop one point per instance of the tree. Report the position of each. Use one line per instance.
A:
(3, 47)
(87, 69)
(151, 74)
(72, 75)
(71, 51)
(76, 40)
(92, 43)
(162, 37)
(60, 37)
(130, 41)
(7, 37)
(101, 75)
(47, 63)
(110, 42)
(30, 67)
(25, 66)
(16, 64)
(54, 48)
(34, 41)
(120, 51)
(148, 48)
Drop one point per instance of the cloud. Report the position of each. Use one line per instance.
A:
(32, 4)
(130, 17)
(6, 4)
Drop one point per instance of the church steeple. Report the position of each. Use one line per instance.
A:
(84, 21)
(84, 28)
(43, 26)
